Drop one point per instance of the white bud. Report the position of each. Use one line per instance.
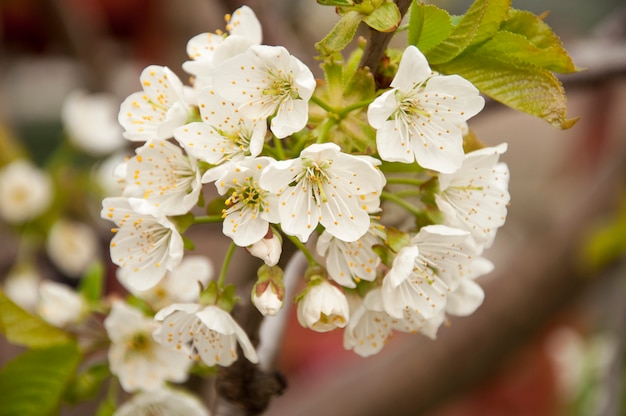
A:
(323, 308)
(268, 302)
(268, 249)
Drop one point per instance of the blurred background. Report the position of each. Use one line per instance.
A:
(550, 337)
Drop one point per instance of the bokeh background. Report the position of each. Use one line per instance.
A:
(549, 339)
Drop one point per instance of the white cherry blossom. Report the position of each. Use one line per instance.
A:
(475, 197)
(224, 134)
(207, 333)
(349, 262)
(249, 208)
(165, 177)
(25, 191)
(156, 111)
(164, 401)
(72, 246)
(369, 327)
(468, 296)
(324, 186)
(323, 307)
(425, 271)
(59, 304)
(180, 285)
(422, 117)
(267, 81)
(138, 361)
(208, 50)
(146, 243)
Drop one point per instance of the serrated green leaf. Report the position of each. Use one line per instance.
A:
(341, 34)
(21, 328)
(32, 384)
(509, 45)
(91, 284)
(540, 35)
(480, 22)
(428, 25)
(529, 89)
(87, 384)
(384, 18)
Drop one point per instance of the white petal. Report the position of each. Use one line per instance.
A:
(413, 69)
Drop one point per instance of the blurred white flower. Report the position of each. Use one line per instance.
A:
(91, 122)
(323, 307)
(163, 402)
(180, 285)
(22, 286)
(59, 304)
(72, 246)
(207, 333)
(25, 191)
(139, 362)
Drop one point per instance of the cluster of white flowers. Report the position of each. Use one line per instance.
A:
(244, 127)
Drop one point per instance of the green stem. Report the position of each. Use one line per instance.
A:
(304, 249)
(324, 129)
(401, 202)
(405, 194)
(206, 219)
(360, 104)
(323, 104)
(227, 258)
(405, 181)
(278, 146)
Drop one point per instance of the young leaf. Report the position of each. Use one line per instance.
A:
(530, 89)
(91, 283)
(341, 34)
(87, 384)
(22, 328)
(32, 384)
(428, 25)
(385, 18)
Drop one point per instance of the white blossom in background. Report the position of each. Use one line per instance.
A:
(59, 304)
(349, 262)
(249, 208)
(425, 271)
(146, 243)
(164, 402)
(156, 111)
(22, 286)
(323, 307)
(25, 192)
(165, 177)
(266, 81)
(72, 246)
(91, 122)
(207, 333)
(422, 117)
(180, 285)
(475, 198)
(224, 134)
(324, 186)
(138, 361)
(208, 50)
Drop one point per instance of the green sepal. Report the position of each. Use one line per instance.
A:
(208, 295)
(384, 18)
(33, 383)
(86, 385)
(216, 206)
(385, 253)
(396, 239)
(227, 298)
(183, 222)
(188, 244)
(91, 285)
(21, 328)
(428, 25)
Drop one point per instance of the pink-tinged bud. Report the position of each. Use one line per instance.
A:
(268, 249)
(268, 293)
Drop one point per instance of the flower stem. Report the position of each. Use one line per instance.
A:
(324, 129)
(278, 146)
(206, 219)
(405, 181)
(323, 104)
(360, 104)
(227, 258)
(304, 249)
(401, 202)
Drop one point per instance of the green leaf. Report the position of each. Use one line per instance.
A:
(385, 18)
(530, 89)
(516, 47)
(87, 384)
(479, 23)
(428, 25)
(336, 3)
(341, 34)
(541, 36)
(91, 284)
(22, 328)
(32, 384)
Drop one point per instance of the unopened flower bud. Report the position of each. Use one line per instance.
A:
(268, 294)
(268, 249)
(323, 307)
